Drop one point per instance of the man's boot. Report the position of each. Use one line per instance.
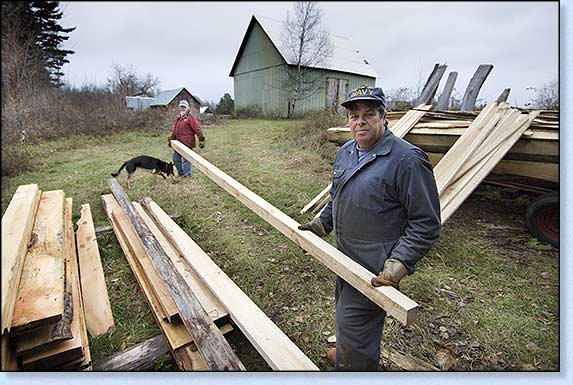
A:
(331, 355)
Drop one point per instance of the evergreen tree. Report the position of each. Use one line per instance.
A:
(226, 105)
(31, 39)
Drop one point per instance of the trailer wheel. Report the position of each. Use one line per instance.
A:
(542, 218)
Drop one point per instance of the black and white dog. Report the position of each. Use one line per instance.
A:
(147, 163)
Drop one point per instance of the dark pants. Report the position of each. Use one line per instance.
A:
(359, 324)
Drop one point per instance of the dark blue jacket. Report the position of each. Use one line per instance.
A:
(386, 206)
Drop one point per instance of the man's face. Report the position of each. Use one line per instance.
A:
(366, 124)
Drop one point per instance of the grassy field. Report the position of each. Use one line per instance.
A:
(488, 291)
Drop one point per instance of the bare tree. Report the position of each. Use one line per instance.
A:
(307, 45)
(399, 98)
(546, 97)
(124, 81)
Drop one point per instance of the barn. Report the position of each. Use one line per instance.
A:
(260, 68)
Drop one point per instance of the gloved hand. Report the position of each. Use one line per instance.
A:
(171, 137)
(393, 272)
(201, 141)
(315, 226)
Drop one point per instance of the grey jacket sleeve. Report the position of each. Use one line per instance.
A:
(326, 215)
(417, 191)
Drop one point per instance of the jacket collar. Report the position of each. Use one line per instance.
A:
(382, 147)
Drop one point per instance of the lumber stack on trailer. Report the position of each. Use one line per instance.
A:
(47, 330)
(477, 152)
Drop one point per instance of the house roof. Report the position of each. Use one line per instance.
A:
(138, 101)
(344, 59)
(165, 97)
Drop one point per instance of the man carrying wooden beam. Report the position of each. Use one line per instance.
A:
(385, 211)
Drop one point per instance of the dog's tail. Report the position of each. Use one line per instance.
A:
(115, 174)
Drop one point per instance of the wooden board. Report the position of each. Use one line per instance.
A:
(151, 275)
(17, 224)
(41, 290)
(98, 315)
(271, 343)
(142, 356)
(391, 300)
(73, 349)
(9, 361)
(210, 303)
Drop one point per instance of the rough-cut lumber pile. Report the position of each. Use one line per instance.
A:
(47, 329)
(213, 348)
(391, 300)
(217, 294)
(494, 131)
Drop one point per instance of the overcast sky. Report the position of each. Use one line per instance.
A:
(194, 44)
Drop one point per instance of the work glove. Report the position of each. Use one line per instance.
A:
(171, 137)
(393, 272)
(315, 226)
(201, 141)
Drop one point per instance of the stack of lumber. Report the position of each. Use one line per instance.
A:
(191, 298)
(43, 319)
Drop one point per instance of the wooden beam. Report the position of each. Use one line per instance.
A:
(444, 99)
(208, 301)
(316, 199)
(99, 318)
(391, 300)
(271, 343)
(209, 340)
(475, 84)
(17, 224)
(140, 357)
(431, 85)
(504, 95)
(41, 290)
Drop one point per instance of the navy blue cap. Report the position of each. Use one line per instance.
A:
(366, 93)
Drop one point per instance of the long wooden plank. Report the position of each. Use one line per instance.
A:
(175, 333)
(166, 304)
(316, 199)
(41, 290)
(475, 84)
(444, 99)
(71, 349)
(271, 343)
(98, 315)
(142, 356)
(213, 347)
(73, 247)
(210, 303)
(17, 224)
(391, 300)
